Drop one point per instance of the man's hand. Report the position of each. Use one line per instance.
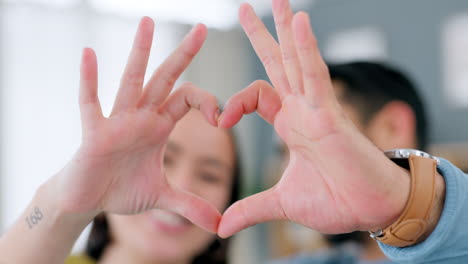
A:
(336, 181)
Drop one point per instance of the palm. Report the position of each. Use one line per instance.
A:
(126, 154)
(317, 213)
(304, 167)
(328, 181)
(118, 168)
(330, 201)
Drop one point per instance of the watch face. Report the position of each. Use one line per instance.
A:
(406, 153)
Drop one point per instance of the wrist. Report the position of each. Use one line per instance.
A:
(397, 197)
(51, 198)
(420, 214)
(45, 232)
(435, 212)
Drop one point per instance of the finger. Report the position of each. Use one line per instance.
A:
(188, 96)
(317, 84)
(259, 96)
(134, 74)
(197, 210)
(90, 108)
(283, 16)
(162, 81)
(266, 48)
(259, 208)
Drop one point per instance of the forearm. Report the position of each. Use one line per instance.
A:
(44, 233)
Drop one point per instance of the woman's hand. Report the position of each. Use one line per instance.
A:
(336, 180)
(118, 168)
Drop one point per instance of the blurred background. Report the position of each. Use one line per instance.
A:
(40, 48)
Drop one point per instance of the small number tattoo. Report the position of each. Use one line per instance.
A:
(34, 218)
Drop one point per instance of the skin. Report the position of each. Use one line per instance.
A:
(336, 180)
(199, 159)
(118, 167)
(309, 119)
(392, 127)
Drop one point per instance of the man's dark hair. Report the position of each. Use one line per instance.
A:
(369, 86)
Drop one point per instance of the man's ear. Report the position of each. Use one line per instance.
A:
(394, 126)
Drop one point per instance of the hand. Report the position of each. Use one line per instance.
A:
(336, 180)
(118, 168)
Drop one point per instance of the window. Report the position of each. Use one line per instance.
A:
(455, 60)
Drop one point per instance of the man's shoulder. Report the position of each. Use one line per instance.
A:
(298, 260)
(322, 257)
(326, 257)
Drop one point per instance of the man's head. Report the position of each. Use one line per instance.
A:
(382, 102)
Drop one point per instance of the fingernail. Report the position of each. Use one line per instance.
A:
(217, 114)
(220, 119)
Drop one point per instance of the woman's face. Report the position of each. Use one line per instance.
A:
(199, 159)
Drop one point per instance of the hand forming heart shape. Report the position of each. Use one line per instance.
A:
(125, 151)
(330, 183)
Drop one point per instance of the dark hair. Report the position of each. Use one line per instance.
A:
(357, 237)
(216, 253)
(369, 86)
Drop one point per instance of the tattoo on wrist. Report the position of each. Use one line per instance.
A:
(34, 218)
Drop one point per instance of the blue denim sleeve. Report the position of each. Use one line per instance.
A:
(448, 243)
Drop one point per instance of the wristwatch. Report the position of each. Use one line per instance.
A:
(413, 222)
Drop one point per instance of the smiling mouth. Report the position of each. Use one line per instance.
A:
(169, 222)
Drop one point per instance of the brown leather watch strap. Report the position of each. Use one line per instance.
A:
(414, 220)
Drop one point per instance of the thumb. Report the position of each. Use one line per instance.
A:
(195, 209)
(255, 209)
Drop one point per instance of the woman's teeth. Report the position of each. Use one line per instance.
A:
(169, 218)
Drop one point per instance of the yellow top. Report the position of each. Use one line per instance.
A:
(79, 260)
